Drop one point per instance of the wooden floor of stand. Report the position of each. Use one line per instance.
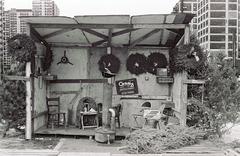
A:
(73, 131)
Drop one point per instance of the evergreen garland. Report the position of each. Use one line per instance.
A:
(48, 59)
(137, 64)
(21, 47)
(109, 65)
(155, 61)
(188, 58)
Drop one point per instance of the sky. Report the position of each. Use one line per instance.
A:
(102, 7)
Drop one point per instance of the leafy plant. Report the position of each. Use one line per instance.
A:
(156, 141)
(221, 96)
(13, 101)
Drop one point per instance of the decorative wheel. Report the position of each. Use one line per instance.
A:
(64, 59)
(137, 64)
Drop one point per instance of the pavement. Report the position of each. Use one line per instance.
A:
(86, 147)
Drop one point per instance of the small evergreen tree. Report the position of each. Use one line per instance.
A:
(221, 103)
(222, 93)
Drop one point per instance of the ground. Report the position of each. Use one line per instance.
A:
(21, 143)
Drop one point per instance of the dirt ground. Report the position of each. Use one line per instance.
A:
(21, 143)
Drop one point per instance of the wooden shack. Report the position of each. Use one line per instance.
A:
(84, 40)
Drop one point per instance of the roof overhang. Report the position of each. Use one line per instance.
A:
(161, 30)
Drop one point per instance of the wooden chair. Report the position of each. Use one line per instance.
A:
(54, 115)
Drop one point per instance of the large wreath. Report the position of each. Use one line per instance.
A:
(188, 58)
(21, 47)
(109, 65)
(137, 64)
(47, 59)
(155, 61)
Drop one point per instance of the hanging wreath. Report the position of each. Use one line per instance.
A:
(21, 47)
(155, 61)
(109, 65)
(137, 64)
(188, 58)
(48, 59)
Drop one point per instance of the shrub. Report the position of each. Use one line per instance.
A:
(13, 101)
(157, 141)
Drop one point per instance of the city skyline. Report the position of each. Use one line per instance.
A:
(71, 8)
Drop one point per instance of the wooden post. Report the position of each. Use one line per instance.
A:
(187, 34)
(179, 92)
(28, 130)
(107, 103)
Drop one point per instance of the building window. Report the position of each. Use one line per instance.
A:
(232, 22)
(217, 30)
(217, 38)
(232, 6)
(220, 22)
(217, 14)
(217, 46)
(217, 6)
(232, 30)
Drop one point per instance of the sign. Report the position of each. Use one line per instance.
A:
(127, 87)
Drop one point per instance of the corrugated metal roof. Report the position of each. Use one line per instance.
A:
(123, 29)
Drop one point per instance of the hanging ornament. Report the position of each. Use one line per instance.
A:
(155, 61)
(109, 65)
(137, 64)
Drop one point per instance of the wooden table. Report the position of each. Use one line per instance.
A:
(88, 115)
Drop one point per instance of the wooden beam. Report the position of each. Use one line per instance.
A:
(140, 39)
(118, 33)
(15, 78)
(187, 34)
(110, 26)
(79, 81)
(82, 26)
(55, 33)
(93, 32)
(28, 129)
(199, 82)
(38, 36)
(159, 26)
(65, 92)
(67, 45)
(121, 32)
(110, 37)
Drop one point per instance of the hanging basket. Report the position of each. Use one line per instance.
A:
(109, 65)
(137, 64)
(21, 47)
(155, 61)
(188, 58)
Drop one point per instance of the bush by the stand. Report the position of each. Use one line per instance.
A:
(154, 141)
(13, 101)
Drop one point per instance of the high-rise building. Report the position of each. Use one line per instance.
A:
(217, 20)
(189, 6)
(44, 8)
(1, 34)
(12, 25)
